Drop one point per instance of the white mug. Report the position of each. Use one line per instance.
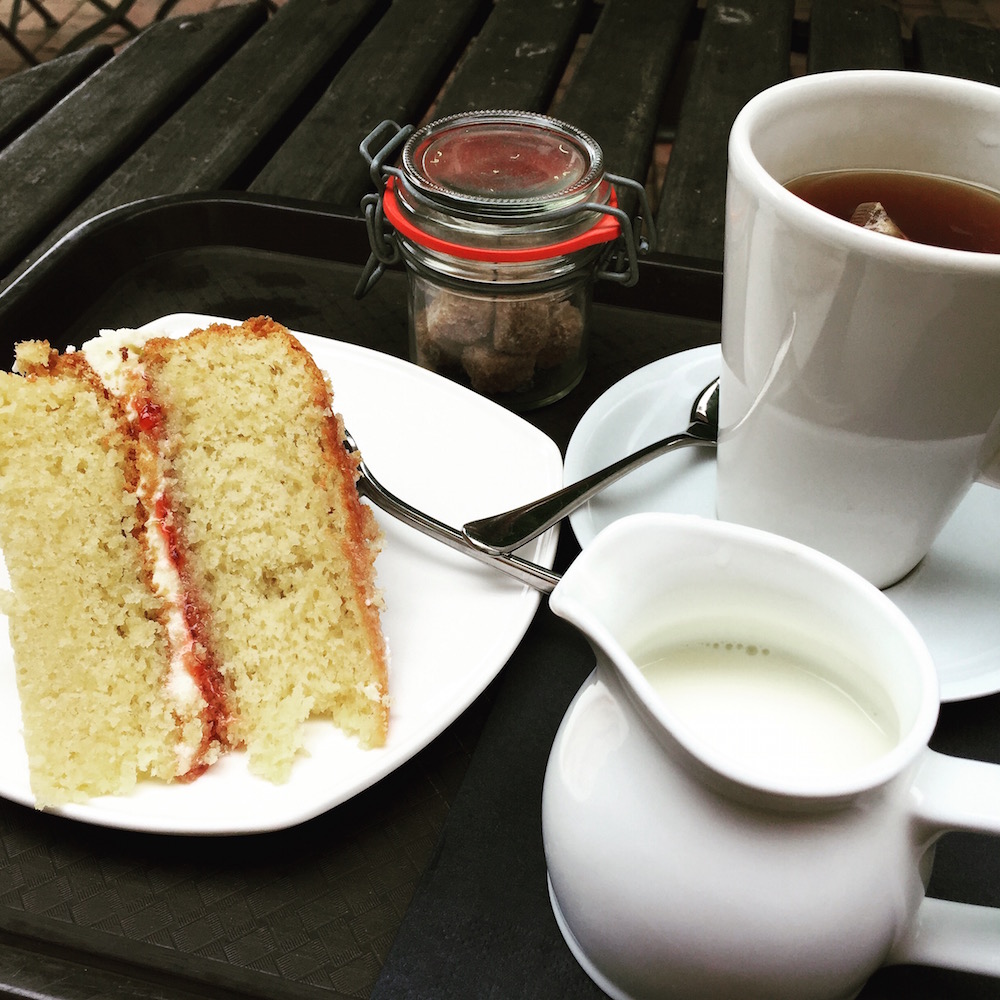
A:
(683, 868)
(860, 384)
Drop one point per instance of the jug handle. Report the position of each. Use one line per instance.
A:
(954, 793)
(951, 793)
(989, 455)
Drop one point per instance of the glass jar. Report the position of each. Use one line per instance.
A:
(503, 219)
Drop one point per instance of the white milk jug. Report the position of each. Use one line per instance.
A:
(752, 814)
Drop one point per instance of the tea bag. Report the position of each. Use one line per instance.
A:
(872, 215)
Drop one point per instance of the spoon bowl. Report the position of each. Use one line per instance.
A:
(502, 533)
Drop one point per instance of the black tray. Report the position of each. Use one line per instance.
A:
(431, 883)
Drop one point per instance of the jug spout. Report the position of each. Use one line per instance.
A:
(674, 604)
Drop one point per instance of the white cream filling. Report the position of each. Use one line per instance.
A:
(104, 355)
(116, 357)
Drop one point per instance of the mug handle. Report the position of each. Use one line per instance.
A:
(953, 794)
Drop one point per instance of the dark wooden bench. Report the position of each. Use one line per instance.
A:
(25, 97)
(276, 104)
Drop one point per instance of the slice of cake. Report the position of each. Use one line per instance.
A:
(271, 532)
(251, 555)
(98, 701)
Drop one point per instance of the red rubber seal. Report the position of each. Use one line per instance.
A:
(604, 230)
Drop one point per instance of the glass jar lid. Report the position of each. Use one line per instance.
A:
(502, 179)
(503, 163)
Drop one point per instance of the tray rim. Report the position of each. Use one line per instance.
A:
(271, 224)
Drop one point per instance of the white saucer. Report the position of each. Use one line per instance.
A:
(953, 596)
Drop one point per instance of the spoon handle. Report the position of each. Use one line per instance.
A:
(502, 533)
(535, 576)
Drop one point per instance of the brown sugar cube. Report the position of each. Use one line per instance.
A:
(442, 356)
(427, 351)
(522, 325)
(447, 326)
(459, 319)
(492, 371)
(565, 335)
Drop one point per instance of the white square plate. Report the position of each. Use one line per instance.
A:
(450, 623)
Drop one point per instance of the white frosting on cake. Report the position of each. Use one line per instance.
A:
(105, 355)
(116, 357)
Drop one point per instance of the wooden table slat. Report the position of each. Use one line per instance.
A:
(616, 91)
(395, 73)
(854, 34)
(517, 59)
(957, 48)
(743, 49)
(26, 96)
(49, 168)
(226, 121)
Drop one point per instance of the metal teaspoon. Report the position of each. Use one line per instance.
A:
(502, 533)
